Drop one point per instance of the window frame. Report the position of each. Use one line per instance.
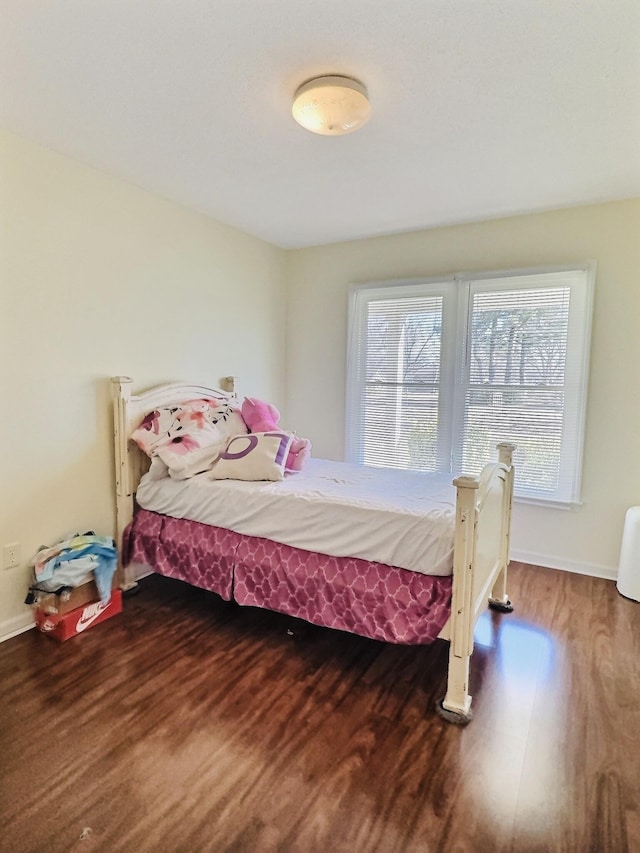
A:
(354, 414)
(457, 291)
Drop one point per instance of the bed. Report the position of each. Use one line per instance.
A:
(424, 569)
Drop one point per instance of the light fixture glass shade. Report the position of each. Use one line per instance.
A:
(331, 105)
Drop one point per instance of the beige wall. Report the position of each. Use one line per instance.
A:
(587, 538)
(100, 278)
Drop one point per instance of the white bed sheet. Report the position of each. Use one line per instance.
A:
(401, 518)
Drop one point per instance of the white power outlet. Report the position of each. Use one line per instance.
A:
(11, 555)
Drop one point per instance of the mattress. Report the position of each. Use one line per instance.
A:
(401, 518)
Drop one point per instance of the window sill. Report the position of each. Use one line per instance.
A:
(548, 503)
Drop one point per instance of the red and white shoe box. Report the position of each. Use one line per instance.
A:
(68, 599)
(62, 626)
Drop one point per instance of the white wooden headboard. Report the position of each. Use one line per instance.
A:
(130, 462)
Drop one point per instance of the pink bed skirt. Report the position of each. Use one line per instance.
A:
(371, 599)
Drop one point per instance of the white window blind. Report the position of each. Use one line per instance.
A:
(400, 395)
(439, 372)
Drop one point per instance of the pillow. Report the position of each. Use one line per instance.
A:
(184, 461)
(157, 470)
(154, 428)
(188, 437)
(256, 456)
(196, 444)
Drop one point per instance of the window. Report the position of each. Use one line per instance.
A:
(440, 371)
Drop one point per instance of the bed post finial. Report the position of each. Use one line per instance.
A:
(505, 452)
(121, 387)
(228, 384)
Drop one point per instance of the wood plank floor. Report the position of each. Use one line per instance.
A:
(188, 724)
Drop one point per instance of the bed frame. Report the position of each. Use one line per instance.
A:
(481, 546)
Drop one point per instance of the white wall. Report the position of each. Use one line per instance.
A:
(585, 539)
(99, 278)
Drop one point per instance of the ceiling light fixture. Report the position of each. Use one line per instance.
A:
(331, 106)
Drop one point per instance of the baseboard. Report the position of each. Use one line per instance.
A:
(565, 565)
(140, 571)
(17, 625)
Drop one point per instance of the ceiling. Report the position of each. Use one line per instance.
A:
(480, 108)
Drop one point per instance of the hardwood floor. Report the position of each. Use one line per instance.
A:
(188, 724)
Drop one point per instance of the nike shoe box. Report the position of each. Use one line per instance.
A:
(68, 599)
(62, 626)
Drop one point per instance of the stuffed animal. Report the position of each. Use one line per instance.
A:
(299, 452)
(264, 417)
(258, 415)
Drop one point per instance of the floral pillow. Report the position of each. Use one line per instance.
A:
(256, 456)
(188, 437)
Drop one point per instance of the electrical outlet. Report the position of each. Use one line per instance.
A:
(11, 555)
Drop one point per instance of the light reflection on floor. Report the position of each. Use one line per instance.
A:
(522, 774)
(524, 650)
(484, 634)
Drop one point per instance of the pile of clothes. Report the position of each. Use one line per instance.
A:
(73, 562)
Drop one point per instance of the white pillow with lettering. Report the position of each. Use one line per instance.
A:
(254, 456)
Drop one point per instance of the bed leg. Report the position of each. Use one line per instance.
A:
(456, 706)
(499, 600)
(128, 585)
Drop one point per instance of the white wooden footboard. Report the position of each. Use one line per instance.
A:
(481, 557)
